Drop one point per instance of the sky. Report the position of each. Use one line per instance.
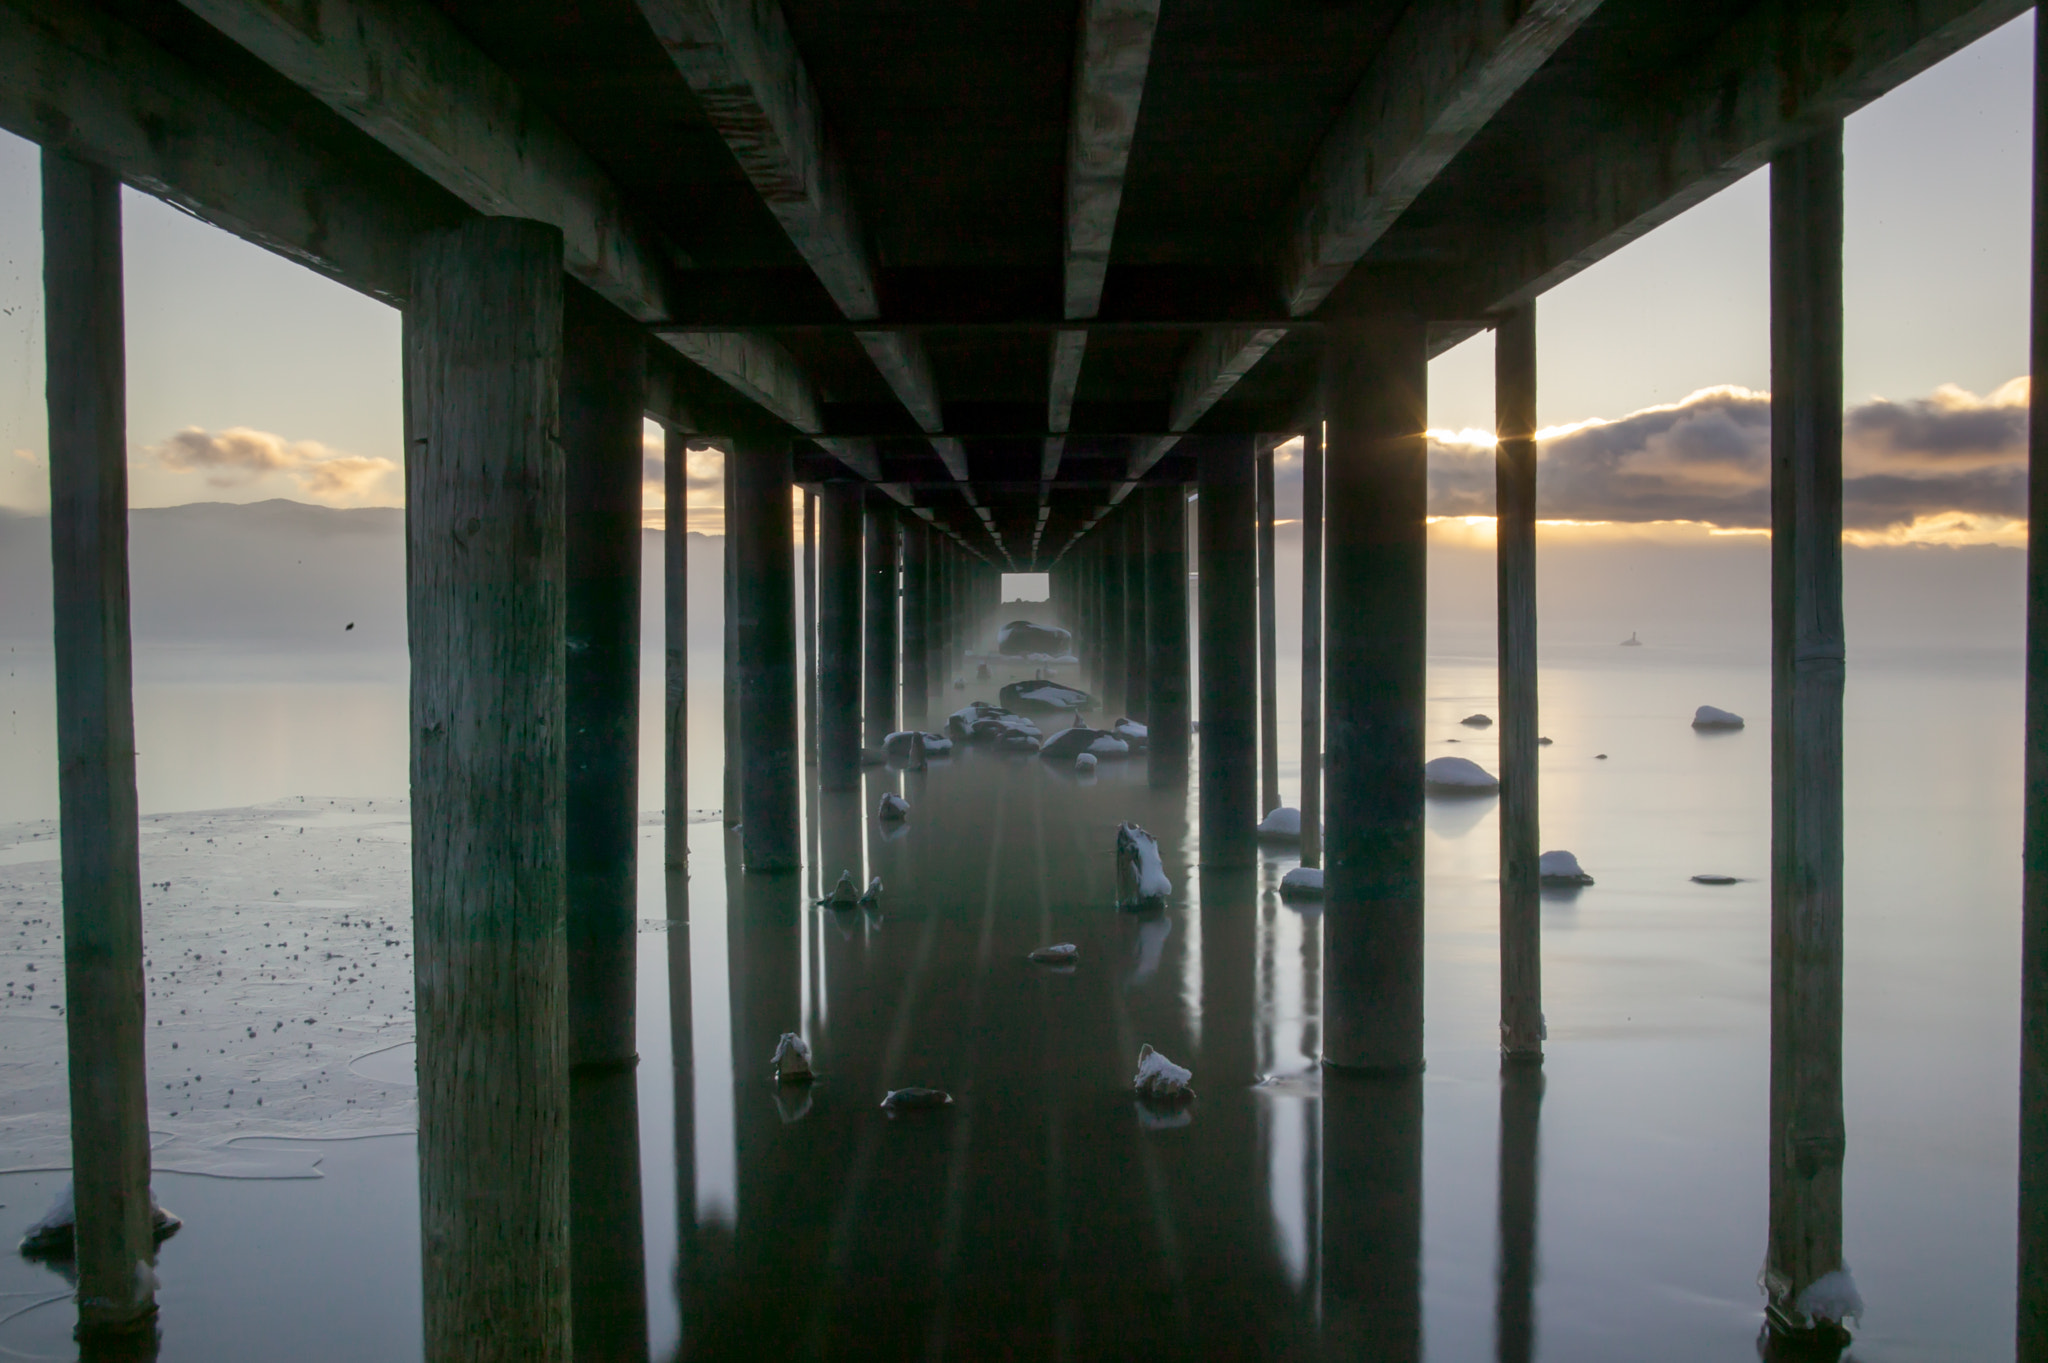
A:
(250, 377)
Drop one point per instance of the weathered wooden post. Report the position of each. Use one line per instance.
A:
(603, 396)
(1228, 609)
(1521, 928)
(839, 636)
(734, 739)
(1137, 624)
(772, 838)
(881, 619)
(1312, 644)
(1166, 614)
(86, 390)
(1375, 408)
(2033, 1183)
(675, 628)
(1269, 639)
(485, 621)
(1807, 663)
(810, 649)
(917, 684)
(1514, 1305)
(1115, 624)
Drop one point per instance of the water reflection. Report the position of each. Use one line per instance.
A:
(1514, 1310)
(607, 1245)
(1372, 1217)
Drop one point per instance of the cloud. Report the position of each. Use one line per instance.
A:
(239, 457)
(1707, 459)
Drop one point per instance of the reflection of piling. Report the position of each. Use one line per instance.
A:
(1312, 644)
(682, 1049)
(839, 636)
(1521, 943)
(675, 626)
(1166, 617)
(1375, 486)
(2033, 1191)
(1514, 1305)
(607, 1245)
(485, 583)
(1372, 1217)
(1807, 1134)
(603, 392)
(103, 984)
(880, 577)
(1269, 638)
(1228, 605)
(767, 654)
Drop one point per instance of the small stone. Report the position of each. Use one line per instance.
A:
(1060, 953)
(793, 1060)
(1561, 868)
(915, 1099)
(1160, 1080)
(1711, 878)
(1477, 721)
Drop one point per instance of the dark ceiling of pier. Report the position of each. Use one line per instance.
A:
(831, 168)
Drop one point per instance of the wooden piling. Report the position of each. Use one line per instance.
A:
(675, 628)
(1269, 637)
(1521, 940)
(734, 740)
(772, 833)
(1137, 625)
(1115, 626)
(1228, 607)
(602, 398)
(1166, 613)
(86, 389)
(1312, 644)
(810, 644)
(882, 604)
(485, 621)
(2032, 1328)
(839, 635)
(1375, 409)
(1807, 664)
(917, 686)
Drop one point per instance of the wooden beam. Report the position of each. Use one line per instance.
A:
(1068, 347)
(1112, 56)
(1783, 70)
(758, 369)
(87, 85)
(1444, 72)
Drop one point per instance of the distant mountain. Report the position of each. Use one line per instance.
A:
(282, 574)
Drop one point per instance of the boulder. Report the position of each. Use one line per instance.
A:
(1457, 776)
(1040, 697)
(1109, 745)
(1303, 882)
(1133, 733)
(915, 1099)
(1085, 763)
(1477, 721)
(1022, 638)
(1160, 1080)
(1561, 868)
(1060, 953)
(871, 898)
(1140, 878)
(1072, 742)
(55, 1235)
(892, 808)
(844, 895)
(1708, 717)
(793, 1060)
(1281, 825)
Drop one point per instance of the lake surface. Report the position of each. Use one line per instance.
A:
(1046, 1214)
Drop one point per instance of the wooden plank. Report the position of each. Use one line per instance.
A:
(485, 591)
(1443, 73)
(1113, 53)
(81, 82)
(101, 861)
(1521, 928)
(1807, 671)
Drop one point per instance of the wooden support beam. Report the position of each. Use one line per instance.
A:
(1442, 74)
(1113, 53)
(675, 628)
(770, 771)
(1521, 928)
(2032, 1328)
(1130, 554)
(1807, 670)
(1228, 606)
(839, 636)
(880, 611)
(733, 737)
(1312, 644)
(810, 636)
(1269, 638)
(917, 684)
(101, 862)
(81, 82)
(485, 590)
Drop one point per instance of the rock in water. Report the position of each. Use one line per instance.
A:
(1042, 697)
(1457, 776)
(1281, 825)
(1133, 733)
(1062, 953)
(1561, 868)
(1022, 638)
(1109, 745)
(1708, 717)
(844, 894)
(981, 673)
(1303, 882)
(1070, 742)
(872, 897)
(793, 1060)
(54, 1236)
(1140, 879)
(908, 747)
(893, 808)
(915, 1100)
(1085, 762)
(1160, 1080)
(1477, 721)
(937, 745)
(1710, 878)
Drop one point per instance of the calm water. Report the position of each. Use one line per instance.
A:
(1045, 1215)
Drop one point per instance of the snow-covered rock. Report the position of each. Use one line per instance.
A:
(1038, 696)
(915, 1099)
(937, 745)
(1133, 733)
(1017, 742)
(1160, 1080)
(872, 896)
(1303, 882)
(1477, 721)
(1109, 745)
(1281, 825)
(909, 746)
(1832, 1297)
(1060, 953)
(1068, 743)
(793, 1060)
(892, 808)
(1085, 762)
(1561, 868)
(1140, 878)
(1709, 717)
(844, 895)
(54, 1235)
(1457, 776)
(1022, 638)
